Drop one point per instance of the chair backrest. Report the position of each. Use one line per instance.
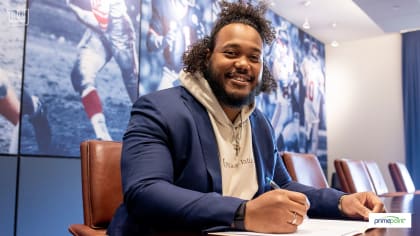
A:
(376, 177)
(305, 168)
(101, 181)
(401, 177)
(353, 176)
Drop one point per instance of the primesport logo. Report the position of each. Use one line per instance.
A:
(390, 220)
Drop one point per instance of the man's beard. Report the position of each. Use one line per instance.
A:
(225, 98)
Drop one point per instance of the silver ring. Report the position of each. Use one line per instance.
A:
(294, 221)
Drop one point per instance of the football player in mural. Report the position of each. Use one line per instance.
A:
(313, 78)
(109, 34)
(34, 109)
(174, 25)
(285, 118)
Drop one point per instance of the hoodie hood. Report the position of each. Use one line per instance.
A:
(198, 86)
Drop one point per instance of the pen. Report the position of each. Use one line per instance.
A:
(276, 186)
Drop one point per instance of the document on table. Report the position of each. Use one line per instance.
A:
(314, 227)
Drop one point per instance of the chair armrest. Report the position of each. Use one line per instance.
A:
(84, 230)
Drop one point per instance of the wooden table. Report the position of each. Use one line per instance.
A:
(409, 203)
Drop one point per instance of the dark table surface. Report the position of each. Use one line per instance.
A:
(409, 203)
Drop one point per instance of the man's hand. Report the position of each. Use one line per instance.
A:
(277, 211)
(359, 205)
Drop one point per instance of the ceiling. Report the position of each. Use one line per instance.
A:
(353, 19)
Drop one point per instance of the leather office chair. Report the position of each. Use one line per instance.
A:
(376, 177)
(353, 176)
(305, 169)
(378, 180)
(101, 186)
(401, 178)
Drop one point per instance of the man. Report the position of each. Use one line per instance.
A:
(200, 155)
(285, 119)
(109, 34)
(314, 83)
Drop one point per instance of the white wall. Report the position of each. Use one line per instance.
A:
(364, 102)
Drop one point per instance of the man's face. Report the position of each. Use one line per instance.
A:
(235, 65)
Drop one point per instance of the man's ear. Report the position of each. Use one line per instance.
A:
(208, 55)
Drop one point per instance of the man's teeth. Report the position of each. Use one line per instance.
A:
(240, 79)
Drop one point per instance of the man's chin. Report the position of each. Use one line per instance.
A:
(238, 100)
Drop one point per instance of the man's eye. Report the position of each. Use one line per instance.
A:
(255, 58)
(230, 53)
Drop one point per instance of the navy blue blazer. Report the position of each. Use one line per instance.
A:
(171, 173)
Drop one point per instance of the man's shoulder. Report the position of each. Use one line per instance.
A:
(257, 114)
(258, 119)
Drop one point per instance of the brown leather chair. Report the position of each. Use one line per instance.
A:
(305, 168)
(101, 186)
(353, 176)
(401, 178)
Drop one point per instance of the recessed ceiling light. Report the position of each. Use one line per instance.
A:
(306, 24)
(306, 3)
(334, 43)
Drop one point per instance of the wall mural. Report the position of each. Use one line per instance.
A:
(81, 60)
(12, 28)
(297, 108)
(168, 28)
(87, 61)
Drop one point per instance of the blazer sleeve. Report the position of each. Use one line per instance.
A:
(324, 202)
(148, 170)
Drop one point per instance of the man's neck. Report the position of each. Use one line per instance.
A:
(231, 112)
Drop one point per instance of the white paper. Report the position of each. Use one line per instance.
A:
(314, 227)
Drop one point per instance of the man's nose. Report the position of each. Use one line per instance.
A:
(242, 63)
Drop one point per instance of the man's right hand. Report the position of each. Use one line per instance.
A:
(277, 211)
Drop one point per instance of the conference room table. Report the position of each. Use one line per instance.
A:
(408, 203)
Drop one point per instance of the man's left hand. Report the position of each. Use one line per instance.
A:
(359, 205)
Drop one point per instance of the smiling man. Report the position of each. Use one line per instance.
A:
(201, 155)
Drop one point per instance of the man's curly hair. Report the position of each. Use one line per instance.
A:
(195, 57)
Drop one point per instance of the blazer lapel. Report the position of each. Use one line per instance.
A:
(207, 140)
(262, 172)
